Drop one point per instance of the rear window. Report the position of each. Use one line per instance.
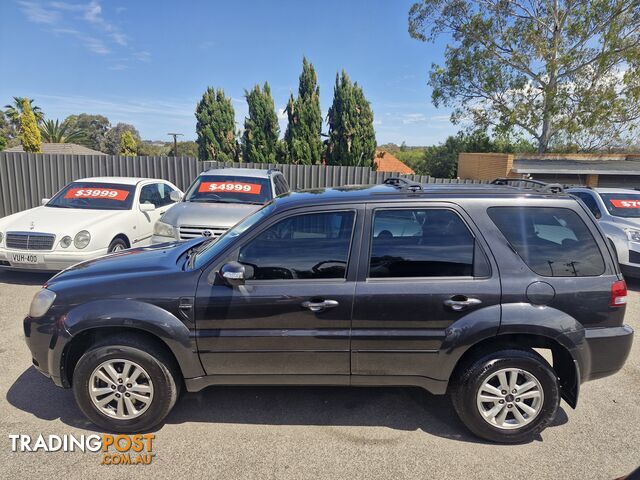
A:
(553, 242)
(94, 196)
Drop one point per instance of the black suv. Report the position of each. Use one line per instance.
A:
(449, 288)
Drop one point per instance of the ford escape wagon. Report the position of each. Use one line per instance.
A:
(465, 290)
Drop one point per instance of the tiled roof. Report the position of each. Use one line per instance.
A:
(60, 149)
(385, 162)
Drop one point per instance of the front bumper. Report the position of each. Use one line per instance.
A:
(47, 261)
(46, 342)
(608, 349)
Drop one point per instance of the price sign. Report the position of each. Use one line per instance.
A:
(108, 193)
(625, 203)
(225, 187)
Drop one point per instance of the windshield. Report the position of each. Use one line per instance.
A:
(622, 204)
(230, 189)
(94, 196)
(212, 248)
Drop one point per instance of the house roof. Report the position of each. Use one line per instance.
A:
(385, 162)
(577, 166)
(60, 149)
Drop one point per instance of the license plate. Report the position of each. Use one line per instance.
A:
(28, 258)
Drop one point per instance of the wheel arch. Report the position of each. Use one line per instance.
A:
(122, 236)
(562, 361)
(84, 324)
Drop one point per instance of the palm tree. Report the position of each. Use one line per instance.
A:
(56, 132)
(14, 111)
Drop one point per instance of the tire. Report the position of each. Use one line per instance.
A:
(116, 245)
(543, 397)
(158, 381)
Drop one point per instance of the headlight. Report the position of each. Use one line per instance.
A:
(41, 302)
(633, 235)
(1, 237)
(82, 239)
(163, 229)
(66, 241)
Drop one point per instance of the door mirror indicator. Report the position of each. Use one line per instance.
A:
(175, 196)
(233, 274)
(147, 207)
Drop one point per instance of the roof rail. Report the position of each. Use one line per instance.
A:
(403, 183)
(530, 184)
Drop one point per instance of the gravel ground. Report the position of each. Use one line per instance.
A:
(297, 433)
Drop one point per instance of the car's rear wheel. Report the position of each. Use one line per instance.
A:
(508, 396)
(125, 384)
(117, 245)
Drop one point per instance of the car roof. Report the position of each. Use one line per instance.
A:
(605, 190)
(121, 180)
(382, 193)
(244, 172)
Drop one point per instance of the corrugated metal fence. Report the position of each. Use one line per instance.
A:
(26, 178)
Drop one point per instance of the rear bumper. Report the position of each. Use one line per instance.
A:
(630, 271)
(608, 349)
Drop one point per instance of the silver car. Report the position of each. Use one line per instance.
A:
(216, 201)
(618, 213)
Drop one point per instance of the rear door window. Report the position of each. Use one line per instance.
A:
(553, 242)
(420, 243)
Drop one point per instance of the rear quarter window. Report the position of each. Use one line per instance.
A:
(553, 242)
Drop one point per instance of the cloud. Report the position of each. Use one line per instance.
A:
(411, 118)
(282, 114)
(143, 56)
(36, 13)
(83, 21)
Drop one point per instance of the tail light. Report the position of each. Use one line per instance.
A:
(618, 294)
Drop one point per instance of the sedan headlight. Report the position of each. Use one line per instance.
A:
(633, 235)
(66, 241)
(1, 237)
(82, 239)
(163, 229)
(41, 303)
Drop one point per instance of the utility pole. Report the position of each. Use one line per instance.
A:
(175, 142)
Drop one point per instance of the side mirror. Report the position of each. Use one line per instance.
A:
(147, 207)
(233, 274)
(175, 196)
(44, 201)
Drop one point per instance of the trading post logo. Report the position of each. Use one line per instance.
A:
(134, 449)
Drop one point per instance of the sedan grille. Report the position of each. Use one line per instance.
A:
(187, 232)
(30, 240)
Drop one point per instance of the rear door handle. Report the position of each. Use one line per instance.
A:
(460, 302)
(320, 306)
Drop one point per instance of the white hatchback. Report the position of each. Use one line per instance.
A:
(88, 218)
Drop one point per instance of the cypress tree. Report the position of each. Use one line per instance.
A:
(215, 127)
(261, 130)
(29, 131)
(302, 136)
(352, 139)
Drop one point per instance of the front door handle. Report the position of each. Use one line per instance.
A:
(460, 302)
(320, 305)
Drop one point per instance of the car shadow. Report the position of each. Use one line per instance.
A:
(25, 278)
(398, 408)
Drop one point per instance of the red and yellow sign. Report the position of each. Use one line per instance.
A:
(238, 187)
(625, 203)
(109, 193)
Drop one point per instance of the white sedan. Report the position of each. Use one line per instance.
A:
(86, 219)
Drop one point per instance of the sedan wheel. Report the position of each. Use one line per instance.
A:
(510, 398)
(121, 389)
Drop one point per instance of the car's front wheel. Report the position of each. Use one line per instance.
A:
(125, 384)
(508, 396)
(117, 245)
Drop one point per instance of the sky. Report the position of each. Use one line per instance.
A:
(148, 62)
